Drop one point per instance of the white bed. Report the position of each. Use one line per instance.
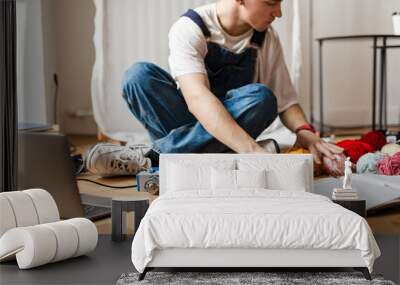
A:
(200, 220)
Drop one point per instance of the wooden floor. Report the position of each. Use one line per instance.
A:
(388, 223)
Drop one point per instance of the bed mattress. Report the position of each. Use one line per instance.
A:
(250, 219)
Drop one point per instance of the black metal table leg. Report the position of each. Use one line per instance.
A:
(382, 82)
(374, 85)
(123, 205)
(116, 224)
(384, 79)
(321, 103)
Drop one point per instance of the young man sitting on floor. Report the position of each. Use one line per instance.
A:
(232, 82)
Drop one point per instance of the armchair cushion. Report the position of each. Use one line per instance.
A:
(31, 230)
(46, 243)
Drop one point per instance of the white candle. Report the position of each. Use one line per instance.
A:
(396, 23)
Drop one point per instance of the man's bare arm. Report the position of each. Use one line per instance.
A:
(213, 116)
(293, 118)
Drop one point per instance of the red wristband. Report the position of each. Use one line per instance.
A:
(306, 127)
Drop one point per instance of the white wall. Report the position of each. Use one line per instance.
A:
(55, 37)
(69, 28)
(30, 63)
(49, 48)
(348, 65)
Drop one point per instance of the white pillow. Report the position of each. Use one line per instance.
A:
(225, 179)
(295, 180)
(251, 179)
(282, 174)
(193, 175)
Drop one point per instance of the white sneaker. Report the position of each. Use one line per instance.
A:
(108, 160)
(270, 145)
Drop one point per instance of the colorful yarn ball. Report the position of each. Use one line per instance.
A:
(390, 165)
(391, 149)
(334, 167)
(299, 150)
(355, 149)
(368, 162)
(376, 139)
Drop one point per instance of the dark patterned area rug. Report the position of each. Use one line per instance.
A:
(242, 278)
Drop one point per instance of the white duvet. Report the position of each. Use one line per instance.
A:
(250, 219)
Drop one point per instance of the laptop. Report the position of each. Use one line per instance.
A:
(44, 161)
(24, 126)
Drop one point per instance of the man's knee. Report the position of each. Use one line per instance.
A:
(265, 97)
(138, 74)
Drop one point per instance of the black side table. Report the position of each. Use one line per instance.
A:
(139, 205)
(356, 206)
(382, 76)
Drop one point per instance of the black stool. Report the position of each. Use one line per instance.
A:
(119, 205)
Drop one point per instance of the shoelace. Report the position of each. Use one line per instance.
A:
(124, 163)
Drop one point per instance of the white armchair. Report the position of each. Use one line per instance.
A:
(31, 230)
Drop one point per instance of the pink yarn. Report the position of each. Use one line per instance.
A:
(334, 167)
(390, 165)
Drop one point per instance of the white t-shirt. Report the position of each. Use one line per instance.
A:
(188, 49)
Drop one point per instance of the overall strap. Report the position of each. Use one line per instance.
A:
(258, 38)
(195, 17)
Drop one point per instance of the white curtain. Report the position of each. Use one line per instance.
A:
(292, 30)
(127, 31)
(297, 38)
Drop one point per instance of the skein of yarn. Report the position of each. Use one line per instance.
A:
(355, 148)
(334, 167)
(390, 165)
(376, 139)
(299, 150)
(368, 162)
(391, 149)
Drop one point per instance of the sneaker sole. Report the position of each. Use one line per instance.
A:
(89, 154)
(88, 158)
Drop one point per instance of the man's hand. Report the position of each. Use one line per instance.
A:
(292, 118)
(317, 146)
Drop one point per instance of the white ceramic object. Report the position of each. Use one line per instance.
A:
(347, 174)
(31, 231)
(41, 244)
(396, 23)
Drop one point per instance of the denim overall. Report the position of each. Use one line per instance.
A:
(155, 100)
